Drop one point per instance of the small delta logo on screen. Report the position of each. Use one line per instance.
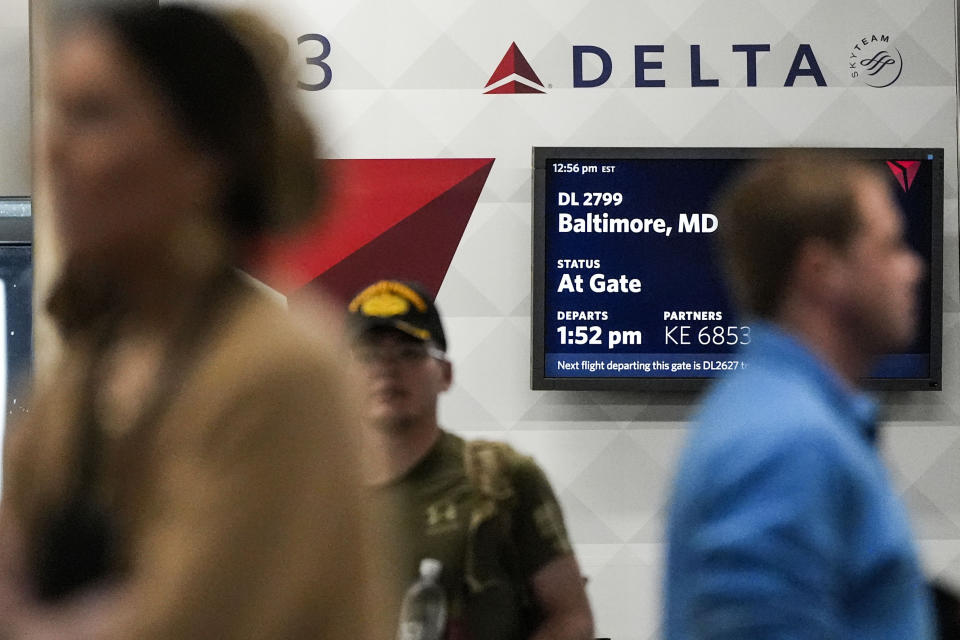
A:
(514, 75)
(904, 171)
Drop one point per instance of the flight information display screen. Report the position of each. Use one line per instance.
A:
(627, 286)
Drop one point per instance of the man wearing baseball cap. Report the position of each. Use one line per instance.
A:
(486, 512)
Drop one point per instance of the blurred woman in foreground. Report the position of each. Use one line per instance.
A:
(190, 473)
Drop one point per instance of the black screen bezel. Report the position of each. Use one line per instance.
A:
(543, 155)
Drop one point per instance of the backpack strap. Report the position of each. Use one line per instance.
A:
(488, 467)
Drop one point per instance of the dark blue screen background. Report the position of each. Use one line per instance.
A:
(679, 272)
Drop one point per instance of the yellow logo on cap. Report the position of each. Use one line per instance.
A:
(387, 298)
(384, 306)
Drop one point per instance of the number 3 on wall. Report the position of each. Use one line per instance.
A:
(317, 61)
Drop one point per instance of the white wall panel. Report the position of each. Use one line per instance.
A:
(14, 98)
(407, 82)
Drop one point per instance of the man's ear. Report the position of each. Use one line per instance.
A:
(447, 372)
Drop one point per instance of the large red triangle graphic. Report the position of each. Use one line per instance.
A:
(513, 62)
(435, 197)
(904, 171)
(419, 248)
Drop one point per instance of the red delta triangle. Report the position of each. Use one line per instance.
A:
(370, 198)
(514, 87)
(419, 248)
(514, 62)
(904, 171)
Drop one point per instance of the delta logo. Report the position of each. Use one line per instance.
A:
(514, 75)
(904, 171)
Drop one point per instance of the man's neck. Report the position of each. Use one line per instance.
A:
(826, 337)
(396, 449)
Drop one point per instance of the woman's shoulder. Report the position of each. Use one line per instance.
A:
(263, 330)
(269, 369)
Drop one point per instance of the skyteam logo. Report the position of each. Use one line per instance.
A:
(514, 75)
(875, 61)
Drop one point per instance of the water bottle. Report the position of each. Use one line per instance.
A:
(423, 615)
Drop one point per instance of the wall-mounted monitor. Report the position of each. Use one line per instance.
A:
(627, 288)
(16, 306)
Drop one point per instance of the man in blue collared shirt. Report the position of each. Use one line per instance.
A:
(783, 522)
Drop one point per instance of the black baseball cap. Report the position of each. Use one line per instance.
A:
(404, 306)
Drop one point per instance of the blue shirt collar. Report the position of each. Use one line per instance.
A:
(774, 345)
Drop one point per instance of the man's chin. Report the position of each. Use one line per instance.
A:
(392, 423)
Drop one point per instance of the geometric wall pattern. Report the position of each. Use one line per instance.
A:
(408, 80)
